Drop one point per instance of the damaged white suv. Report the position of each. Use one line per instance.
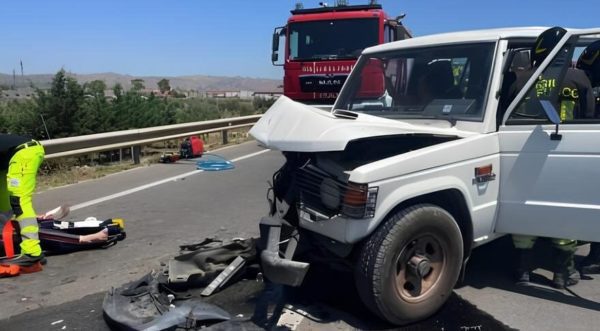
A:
(435, 145)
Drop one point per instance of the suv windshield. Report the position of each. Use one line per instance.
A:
(447, 82)
(332, 39)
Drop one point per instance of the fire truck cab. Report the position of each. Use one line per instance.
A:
(322, 45)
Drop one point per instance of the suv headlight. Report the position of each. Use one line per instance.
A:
(359, 201)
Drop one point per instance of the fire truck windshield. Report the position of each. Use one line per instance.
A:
(331, 39)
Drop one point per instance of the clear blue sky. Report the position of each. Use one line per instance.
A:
(219, 37)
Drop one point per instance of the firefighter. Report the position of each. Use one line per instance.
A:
(574, 102)
(563, 265)
(575, 95)
(20, 159)
(589, 62)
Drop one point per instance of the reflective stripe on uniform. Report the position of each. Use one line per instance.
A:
(523, 242)
(30, 243)
(565, 244)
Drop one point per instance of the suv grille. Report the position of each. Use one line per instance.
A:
(321, 192)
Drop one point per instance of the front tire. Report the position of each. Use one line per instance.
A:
(408, 267)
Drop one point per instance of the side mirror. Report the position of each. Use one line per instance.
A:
(552, 115)
(275, 44)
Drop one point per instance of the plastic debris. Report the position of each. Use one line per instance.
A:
(211, 162)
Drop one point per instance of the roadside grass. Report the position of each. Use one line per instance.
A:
(66, 171)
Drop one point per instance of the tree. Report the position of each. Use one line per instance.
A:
(60, 105)
(118, 90)
(261, 104)
(21, 117)
(95, 88)
(164, 86)
(95, 114)
(137, 85)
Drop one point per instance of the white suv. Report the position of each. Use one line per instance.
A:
(431, 149)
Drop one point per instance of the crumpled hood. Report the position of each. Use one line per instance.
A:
(292, 126)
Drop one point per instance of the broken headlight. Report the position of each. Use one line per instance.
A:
(330, 193)
(359, 201)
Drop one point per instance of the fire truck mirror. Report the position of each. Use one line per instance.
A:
(277, 34)
(275, 44)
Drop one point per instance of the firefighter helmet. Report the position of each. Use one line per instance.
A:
(589, 61)
(544, 44)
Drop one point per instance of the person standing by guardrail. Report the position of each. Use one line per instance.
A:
(20, 159)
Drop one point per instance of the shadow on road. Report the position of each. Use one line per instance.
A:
(328, 298)
(492, 265)
(333, 299)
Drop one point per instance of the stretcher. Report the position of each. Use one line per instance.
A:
(62, 236)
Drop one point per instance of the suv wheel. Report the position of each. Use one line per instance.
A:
(410, 264)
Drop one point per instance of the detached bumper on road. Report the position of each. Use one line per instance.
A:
(277, 269)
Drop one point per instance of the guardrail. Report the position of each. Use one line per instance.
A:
(99, 142)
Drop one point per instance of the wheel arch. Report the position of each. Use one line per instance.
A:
(454, 202)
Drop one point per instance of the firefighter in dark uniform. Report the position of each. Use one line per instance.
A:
(576, 100)
(589, 62)
(20, 159)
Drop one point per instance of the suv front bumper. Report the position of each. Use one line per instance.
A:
(278, 269)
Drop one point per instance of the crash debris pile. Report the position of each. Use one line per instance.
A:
(188, 290)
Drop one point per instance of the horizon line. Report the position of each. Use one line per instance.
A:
(130, 75)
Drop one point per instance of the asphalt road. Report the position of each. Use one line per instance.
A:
(196, 205)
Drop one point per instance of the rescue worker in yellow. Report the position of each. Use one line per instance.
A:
(576, 100)
(589, 62)
(20, 159)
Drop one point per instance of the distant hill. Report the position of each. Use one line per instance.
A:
(195, 82)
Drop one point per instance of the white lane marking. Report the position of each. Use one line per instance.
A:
(149, 185)
(250, 155)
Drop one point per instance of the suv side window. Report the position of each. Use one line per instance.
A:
(566, 87)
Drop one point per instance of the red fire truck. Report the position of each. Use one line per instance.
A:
(322, 45)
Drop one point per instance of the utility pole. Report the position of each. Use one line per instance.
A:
(45, 127)
(14, 86)
(22, 75)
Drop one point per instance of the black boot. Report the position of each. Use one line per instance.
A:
(562, 275)
(24, 260)
(591, 263)
(524, 267)
(560, 281)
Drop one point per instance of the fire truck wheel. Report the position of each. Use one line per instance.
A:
(408, 267)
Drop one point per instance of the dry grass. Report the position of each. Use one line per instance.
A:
(78, 174)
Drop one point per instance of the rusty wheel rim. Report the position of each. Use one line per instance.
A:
(419, 267)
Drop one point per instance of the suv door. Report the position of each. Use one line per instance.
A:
(550, 187)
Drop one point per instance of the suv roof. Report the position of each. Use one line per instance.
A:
(461, 37)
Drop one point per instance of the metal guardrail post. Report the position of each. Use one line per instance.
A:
(224, 133)
(135, 153)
